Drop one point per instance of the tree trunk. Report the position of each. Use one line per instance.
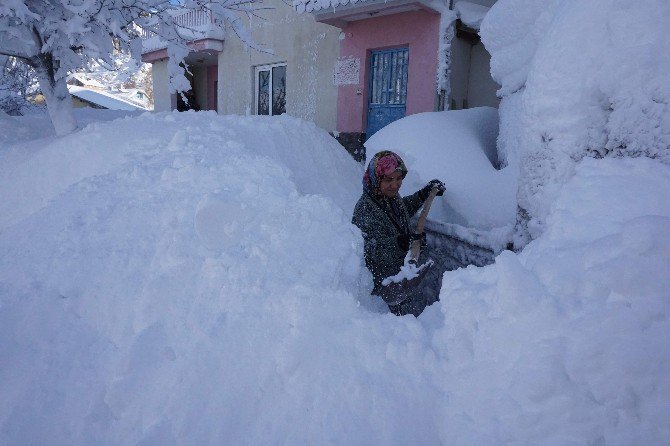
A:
(58, 99)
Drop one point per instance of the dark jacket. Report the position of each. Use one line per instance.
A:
(381, 227)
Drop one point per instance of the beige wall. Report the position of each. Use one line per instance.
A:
(78, 103)
(470, 76)
(459, 73)
(482, 88)
(162, 96)
(309, 50)
(200, 86)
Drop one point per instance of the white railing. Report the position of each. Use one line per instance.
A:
(197, 20)
(194, 18)
(192, 25)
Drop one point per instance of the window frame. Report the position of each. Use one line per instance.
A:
(257, 70)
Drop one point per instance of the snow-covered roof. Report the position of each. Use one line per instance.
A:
(86, 80)
(103, 98)
(316, 6)
(471, 14)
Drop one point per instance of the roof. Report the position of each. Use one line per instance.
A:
(102, 98)
(470, 13)
(86, 80)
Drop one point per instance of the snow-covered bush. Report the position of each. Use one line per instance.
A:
(579, 79)
(17, 81)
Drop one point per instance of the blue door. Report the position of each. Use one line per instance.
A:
(387, 95)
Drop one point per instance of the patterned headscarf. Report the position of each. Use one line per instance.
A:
(383, 163)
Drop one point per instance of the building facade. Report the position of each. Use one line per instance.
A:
(349, 66)
(402, 57)
(292, 74)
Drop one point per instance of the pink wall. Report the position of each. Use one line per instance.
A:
(418, 30)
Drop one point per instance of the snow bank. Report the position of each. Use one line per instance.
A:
(193, 278)
(566, 343)
(591, 84)
(459, 148)
(205, 286)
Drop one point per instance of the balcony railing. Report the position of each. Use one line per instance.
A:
(192, 25)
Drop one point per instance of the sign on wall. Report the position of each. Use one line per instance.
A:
(347, 71)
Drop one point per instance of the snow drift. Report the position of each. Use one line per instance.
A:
(591, 83)
(195, 279)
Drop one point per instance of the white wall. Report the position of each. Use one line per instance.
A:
(309, 50)
(162, 96)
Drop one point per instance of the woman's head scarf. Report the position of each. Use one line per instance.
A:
(382, 164)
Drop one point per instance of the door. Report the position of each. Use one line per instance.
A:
(271, 89)
(387, 92)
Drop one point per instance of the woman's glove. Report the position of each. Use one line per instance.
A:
(439, 185)
(406, 240)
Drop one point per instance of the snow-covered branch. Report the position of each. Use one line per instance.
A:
(58, 37)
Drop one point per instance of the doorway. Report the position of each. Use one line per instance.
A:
(387, 92)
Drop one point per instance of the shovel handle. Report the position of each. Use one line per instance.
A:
(416, 245)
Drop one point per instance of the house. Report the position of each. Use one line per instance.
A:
(293, 76)
(351, 66)
(400, 57)
(90, 97)
(86, 91)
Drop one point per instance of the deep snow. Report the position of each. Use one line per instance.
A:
(578, 78)
(188, 278)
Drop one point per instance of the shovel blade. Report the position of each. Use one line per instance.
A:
(397, 292)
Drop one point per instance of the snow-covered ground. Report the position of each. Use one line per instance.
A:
(188, 278)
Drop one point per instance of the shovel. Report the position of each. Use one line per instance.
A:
(396, 289)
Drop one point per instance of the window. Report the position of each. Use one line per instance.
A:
(270, 89)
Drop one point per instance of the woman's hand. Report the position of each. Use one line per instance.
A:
(436, 184)
(432, 184)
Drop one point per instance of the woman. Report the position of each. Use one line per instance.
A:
(383, 218)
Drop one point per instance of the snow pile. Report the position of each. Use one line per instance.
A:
(566, 343)
(459, 148)
(154, 263)
(591, 84)
(195, 279)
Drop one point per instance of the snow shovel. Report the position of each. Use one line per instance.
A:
(394, 290)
